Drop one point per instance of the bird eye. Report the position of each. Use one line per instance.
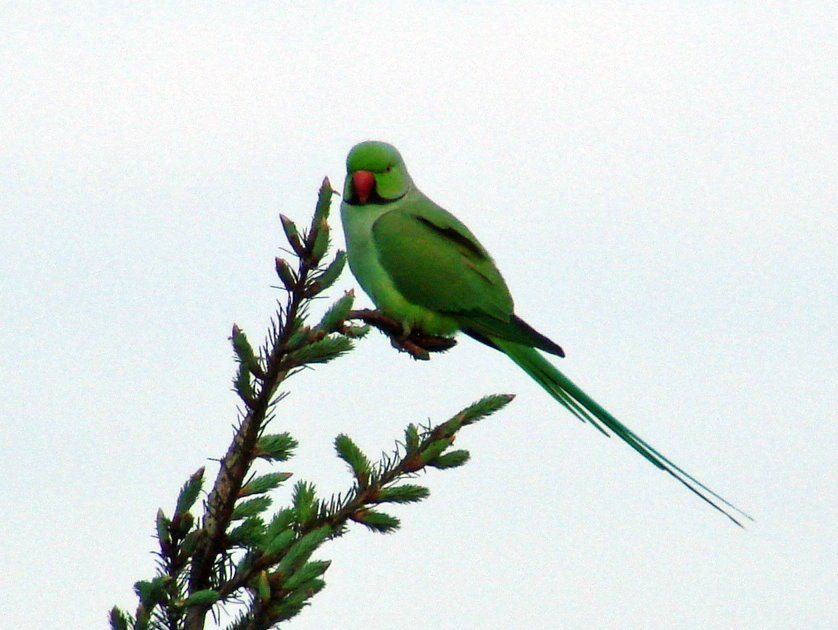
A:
(388, 169)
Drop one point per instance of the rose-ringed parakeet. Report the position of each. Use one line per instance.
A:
(424, 268)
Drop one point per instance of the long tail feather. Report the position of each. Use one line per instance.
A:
(587, 409)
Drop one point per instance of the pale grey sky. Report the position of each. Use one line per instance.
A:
(657, 185)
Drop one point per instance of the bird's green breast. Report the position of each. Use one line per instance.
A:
(365, 264)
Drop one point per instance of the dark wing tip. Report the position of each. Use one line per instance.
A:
(539, 341)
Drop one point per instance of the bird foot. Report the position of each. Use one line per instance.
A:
(415, 343)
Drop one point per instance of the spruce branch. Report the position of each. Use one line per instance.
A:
(269, 373)
(238, 554)
(427, 448)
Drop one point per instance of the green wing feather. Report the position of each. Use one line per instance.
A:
(436, 262)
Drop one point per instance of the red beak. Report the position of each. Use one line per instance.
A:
(363, 183)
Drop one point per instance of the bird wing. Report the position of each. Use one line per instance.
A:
(436, 262)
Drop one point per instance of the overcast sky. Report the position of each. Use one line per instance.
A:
(657, 184)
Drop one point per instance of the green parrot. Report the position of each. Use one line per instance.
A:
(423, 267)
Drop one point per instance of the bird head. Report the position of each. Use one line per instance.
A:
(375, 174)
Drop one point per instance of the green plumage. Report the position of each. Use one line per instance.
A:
(423, 267)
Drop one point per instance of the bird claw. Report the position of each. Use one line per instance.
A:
(404, 344)
(417, 344)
